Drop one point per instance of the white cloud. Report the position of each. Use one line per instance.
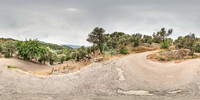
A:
(72, 9)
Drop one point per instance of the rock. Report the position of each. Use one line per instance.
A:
(155, 45)
(185, 51)
(173, 47)
(177, 54)
(146, 44)
(98, 59)
(197, 54)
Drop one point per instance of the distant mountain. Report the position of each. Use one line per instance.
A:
(72, 46)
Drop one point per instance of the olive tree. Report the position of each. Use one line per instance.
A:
(96, 37)
(161, 35)
(10, 47)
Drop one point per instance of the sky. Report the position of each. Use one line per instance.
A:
(70, 21)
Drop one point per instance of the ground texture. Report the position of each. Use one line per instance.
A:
(129, 77)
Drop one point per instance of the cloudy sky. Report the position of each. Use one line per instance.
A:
(70, 21)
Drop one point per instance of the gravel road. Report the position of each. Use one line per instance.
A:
(129, 77)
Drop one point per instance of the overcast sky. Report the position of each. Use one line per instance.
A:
(70, 21)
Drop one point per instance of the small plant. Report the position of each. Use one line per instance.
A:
(124, 50)
(135, 44)
(10, 66)
(7, 55)
(165, 45)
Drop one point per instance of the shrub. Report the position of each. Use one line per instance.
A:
(135, 44)
(68, 57)
(7, 55)
(123, 50)
(197, 48)
(165, 45)
(10, 66)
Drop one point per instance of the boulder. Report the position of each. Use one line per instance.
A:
(98, 59)
(197, 54)
(155, 45)
(146, 44)
(176, 53)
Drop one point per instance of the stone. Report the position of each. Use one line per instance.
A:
(98, 59)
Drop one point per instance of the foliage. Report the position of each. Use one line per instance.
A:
(7, 55)
(187, 42)
(197, 49)
(29, 48)
(147, 39)
(1, 47)
(10, 47)
(52, 56)
(123, 50)
(10, 66)
(61, 58)
(165, 45)
(96, 37)
(79, 53)
(161, 35)
(136, 38)
(135, 44)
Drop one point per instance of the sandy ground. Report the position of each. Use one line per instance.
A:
(129, 77)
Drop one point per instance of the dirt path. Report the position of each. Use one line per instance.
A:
(128, 77)
(27, 65)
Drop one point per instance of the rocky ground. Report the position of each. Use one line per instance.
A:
(129, 77)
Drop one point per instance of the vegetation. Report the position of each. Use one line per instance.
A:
(121, 42)
(188, 42)
(147, 39)
(123, 50)
(161, 35)
(10, 47)
(10, 66)
(165, 45)
(96, 37)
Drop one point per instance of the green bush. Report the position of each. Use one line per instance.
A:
(68, 57)
(124, 50)
(7, 55)
(197, 48)
(165, 45)
(10, 66)
(135, 44)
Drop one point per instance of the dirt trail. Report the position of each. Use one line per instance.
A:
(28, 65)
(129, 76)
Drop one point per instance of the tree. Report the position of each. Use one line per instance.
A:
(61, 58)
(29, 49)
(135, 39)
(147, 39)
(187, 42)
(52, 56)
(115, 39)
(43, 55)
(88, 51)
(10, 47)
(96, 37)
(161, 35)
(1, 47)
(125, 39)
